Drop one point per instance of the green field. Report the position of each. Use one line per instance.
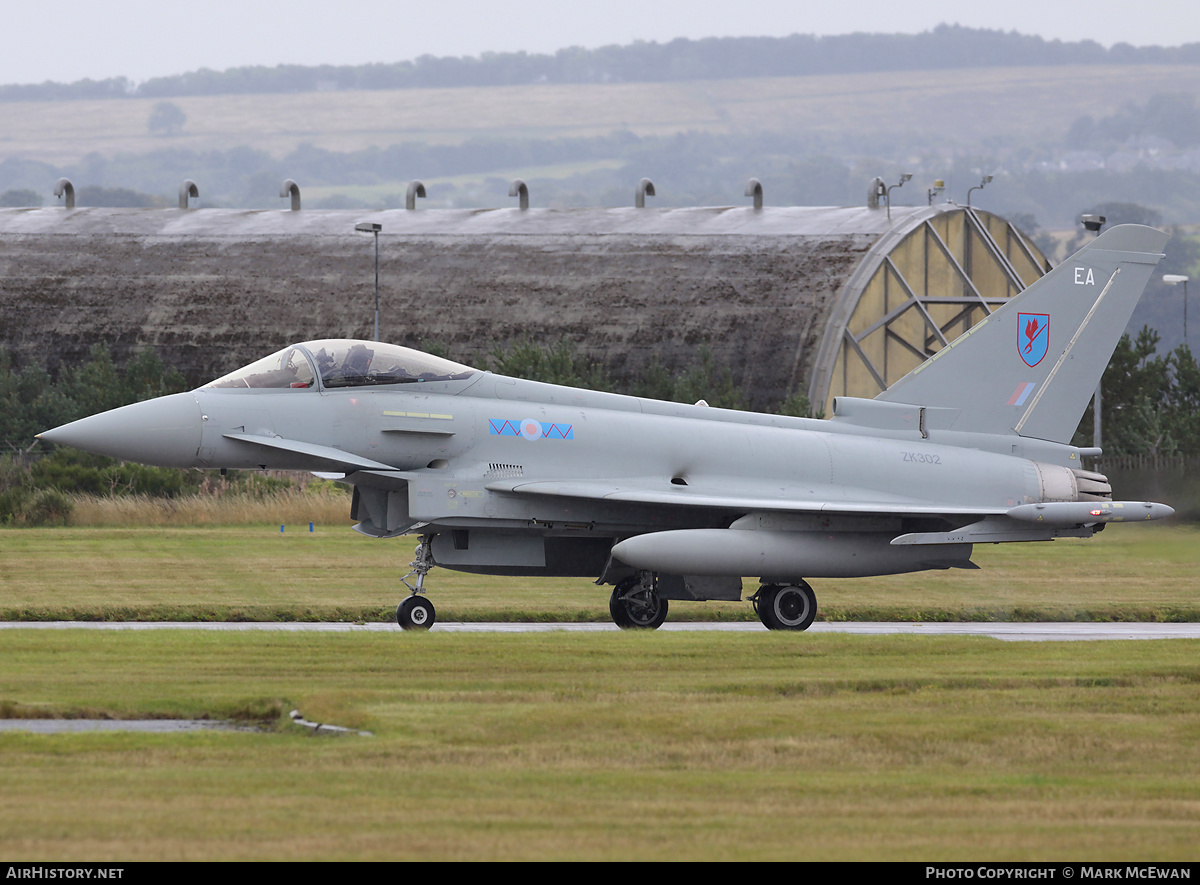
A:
(614, 745)
(257, 573)
(1029, 105)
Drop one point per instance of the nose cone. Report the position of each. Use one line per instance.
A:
(164, 432)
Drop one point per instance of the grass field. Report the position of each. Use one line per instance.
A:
(255, 572)
(611, 746)
(1026, 104)
(614, 746)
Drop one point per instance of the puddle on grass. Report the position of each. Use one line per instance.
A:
(151, 726)
(163, 726)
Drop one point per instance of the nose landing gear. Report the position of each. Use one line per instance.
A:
(417, 612)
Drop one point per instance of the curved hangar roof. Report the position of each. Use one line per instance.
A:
(825, 300)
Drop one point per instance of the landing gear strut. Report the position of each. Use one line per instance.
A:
(790, 607)
(636, 605)
(416, 612)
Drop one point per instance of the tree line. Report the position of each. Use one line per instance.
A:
(717, 58)
(1149, 403)
(1172, 117)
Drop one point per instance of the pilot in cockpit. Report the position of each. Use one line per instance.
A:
(357, 362)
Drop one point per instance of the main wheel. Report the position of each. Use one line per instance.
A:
(416, 613)
(634, 607)
(787, 608)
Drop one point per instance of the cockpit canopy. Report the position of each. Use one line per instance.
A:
(343, 362)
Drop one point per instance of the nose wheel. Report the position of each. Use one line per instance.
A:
(416, 612)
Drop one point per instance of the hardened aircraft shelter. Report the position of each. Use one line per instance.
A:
(820, 300)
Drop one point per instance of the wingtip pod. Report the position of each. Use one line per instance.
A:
(1090, 513)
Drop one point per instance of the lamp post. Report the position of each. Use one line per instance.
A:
(888, 193)
(1171, 279)
(370, 227)
(1093, 223)
(987, 179)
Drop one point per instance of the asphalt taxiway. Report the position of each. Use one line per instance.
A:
(1008, 631)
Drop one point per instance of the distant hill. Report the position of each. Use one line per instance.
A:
(715, 58)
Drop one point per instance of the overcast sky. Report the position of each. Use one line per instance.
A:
(68, 40)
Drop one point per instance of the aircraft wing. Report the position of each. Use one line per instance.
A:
(319, 457)
(737, 496)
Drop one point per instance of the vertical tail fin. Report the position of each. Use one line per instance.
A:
(1032, 366)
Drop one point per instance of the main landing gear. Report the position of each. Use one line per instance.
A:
(636, 605)
(790, 607)
(416, 612)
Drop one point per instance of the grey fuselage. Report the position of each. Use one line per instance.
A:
(548, 478)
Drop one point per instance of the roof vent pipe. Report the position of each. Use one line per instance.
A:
(187, 189)
(290, 187)
(875, 191)
(754, 189)
(64, 186)
(645, 186)
(415, 189)
(519, 189)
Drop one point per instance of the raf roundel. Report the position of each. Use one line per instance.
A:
(531, 429)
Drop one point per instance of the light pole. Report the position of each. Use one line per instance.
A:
(888, 193)
(370, 227)
(987, 179)
(1093, 223)
(1171, 279)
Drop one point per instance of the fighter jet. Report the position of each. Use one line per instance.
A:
(665, 501)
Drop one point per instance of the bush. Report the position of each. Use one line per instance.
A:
(48, 507)
(14, 489)
(22, 504)
(69, 470)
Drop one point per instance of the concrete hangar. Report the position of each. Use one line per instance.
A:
(824, 300)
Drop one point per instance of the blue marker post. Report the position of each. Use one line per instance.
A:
(310, 526)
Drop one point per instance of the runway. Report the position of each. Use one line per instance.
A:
(1008, 631)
